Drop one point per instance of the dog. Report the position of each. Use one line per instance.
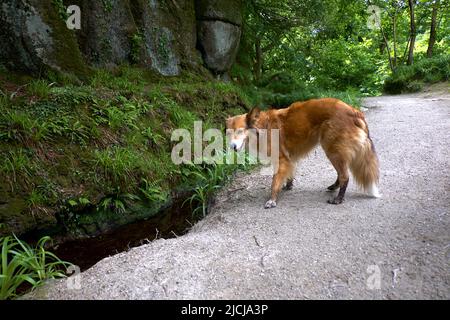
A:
(340, 129)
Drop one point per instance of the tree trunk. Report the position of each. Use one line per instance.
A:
(433, 29)
(406, 50)
(412, 32)
(394, 23)
(391, 64)
(382, 46)
(257, 68)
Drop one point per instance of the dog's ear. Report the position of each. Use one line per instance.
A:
(252, 116)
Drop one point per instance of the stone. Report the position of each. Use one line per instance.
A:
(169, 34)
(107, 28)
(227, 11)
(219, 43)
(35, 38)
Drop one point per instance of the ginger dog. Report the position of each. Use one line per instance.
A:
(340, 129)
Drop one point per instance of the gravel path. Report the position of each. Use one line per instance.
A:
(396, 247)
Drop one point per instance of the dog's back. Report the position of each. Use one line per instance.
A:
(305, 124)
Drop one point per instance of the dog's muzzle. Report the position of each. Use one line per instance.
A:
(236, 145)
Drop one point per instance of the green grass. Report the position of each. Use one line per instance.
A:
(208, 179)
(35, 199)
(17, 166)
(21, 263)
(125, 79)
(39, 88)
(4, 99)
(413, 78)
(20, 126)
(118, 164)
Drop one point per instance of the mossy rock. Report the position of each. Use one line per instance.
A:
(35, 38)
(226, 11)
(167, 34)
(16, 217)
(106, 31)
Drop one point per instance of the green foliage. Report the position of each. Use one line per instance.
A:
(16, 165)
(36, 198)
(61, 9)
(20, 263)
(122, 113)
(125, 79)
(20, 126)
(4, 99)
(102, 139)
(153, 192)
(118, 164)
(282, 89)
(39, 88)
(412, 78)
(341, 65)
(162, 45)
(80, 202)
(327, 45)
(117, 203)
(208, 178)
(107, 5)
(153, 137)
(137, 42)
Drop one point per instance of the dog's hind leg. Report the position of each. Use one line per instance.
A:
(290, 178)
(334, 186)
(342, 169)
(289, 184)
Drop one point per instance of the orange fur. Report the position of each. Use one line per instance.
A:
(340, 129)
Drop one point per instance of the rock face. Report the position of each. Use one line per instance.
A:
(106, 30)
(227, 11)
(219, 42)
(35, 38)
(219, 32)
(168, 34)
(160, 34)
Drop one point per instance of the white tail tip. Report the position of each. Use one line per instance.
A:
(373, 191)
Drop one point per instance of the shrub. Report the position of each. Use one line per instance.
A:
(412, 78)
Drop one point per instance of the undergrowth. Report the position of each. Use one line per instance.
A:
(21, 263)
(105, 140)
(413, 78)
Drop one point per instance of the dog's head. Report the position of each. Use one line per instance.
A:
(240, 126)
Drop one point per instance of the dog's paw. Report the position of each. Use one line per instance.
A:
(288, 187)
(270, 204)
(335, 201)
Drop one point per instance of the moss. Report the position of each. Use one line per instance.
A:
(66, 55)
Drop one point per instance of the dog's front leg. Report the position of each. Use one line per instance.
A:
(284, 171)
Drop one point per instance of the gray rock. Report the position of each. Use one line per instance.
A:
(227, 11)
(219, 42)
(35, 38)
(106, 31)
(169, 34)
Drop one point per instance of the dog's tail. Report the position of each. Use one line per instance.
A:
(365, 164)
